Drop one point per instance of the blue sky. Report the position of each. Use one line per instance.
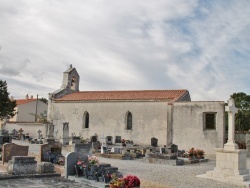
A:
(202, 46)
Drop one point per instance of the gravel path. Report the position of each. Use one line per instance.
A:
(165, 176)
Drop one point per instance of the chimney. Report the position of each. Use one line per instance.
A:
(31, 96)
(27, 97)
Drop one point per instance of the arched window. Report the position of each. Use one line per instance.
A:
(85, 120)
(129, 121)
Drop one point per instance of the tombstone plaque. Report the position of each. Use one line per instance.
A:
(154, 142)
(118, 139)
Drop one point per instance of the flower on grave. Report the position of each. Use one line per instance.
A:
(81, 164)
(132, 181)
(199, 152)
(93, 161)
(192, 152)
(117, 182)
(123, 140)
(129, 181)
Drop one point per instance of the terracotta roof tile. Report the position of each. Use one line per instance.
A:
(24, 101)
(169, 95)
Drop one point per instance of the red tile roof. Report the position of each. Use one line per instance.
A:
(24, 101)
(169, 95)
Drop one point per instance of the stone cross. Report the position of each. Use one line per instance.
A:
(39, 133)
(232, 110)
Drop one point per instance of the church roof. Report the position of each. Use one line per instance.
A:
(169, 95)
(24, 101)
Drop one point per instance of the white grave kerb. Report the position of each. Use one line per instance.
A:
(232, 110)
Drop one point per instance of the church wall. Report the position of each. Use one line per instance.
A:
(188, 126)
(109, 119)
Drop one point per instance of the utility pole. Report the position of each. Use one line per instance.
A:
(36, 108)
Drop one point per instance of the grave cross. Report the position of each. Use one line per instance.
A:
(232, 110)
(39, 133)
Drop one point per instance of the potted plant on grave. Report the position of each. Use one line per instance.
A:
(132, 181)
(191, 153)
(199, 153)
(116, 182)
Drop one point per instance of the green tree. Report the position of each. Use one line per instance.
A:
(242, 118)
(7, 106)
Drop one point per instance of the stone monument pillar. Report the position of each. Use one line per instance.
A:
(230, 161)
(50, 137)
(232, 110)
(65, 137)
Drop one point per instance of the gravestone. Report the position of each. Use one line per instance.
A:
(21, 165)
(4, 137)
(50, 152)
(65, 137)
(50, 138)
(118, 139)
(109, 140)
(163, 150)
(174, 148)
(83, 149)
(94, 138)
(70, 162)
(96, 146)
(154, 142)
(11, 149)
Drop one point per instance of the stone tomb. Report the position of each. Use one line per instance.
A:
(83, 149)
(50, 152)
(12, 149)
(21, 165)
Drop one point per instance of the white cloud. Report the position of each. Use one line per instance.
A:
(124, 44)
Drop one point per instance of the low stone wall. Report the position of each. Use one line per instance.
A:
(30, 128)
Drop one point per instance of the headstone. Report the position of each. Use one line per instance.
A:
(83, 149)
(50, 152)
(96, 146)
(75, 140)
(65, 136)
(118, 139)
(103, 149)
(109, 140)
(154, 142)
(12, 149)
(5, 139)
(50, 138)
(70, 162)
(21, 165)
(174, 148)
(163, 150)
(94, 138)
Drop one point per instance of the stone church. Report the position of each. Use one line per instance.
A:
(139, 115)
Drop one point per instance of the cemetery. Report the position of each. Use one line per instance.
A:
(91, 159)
